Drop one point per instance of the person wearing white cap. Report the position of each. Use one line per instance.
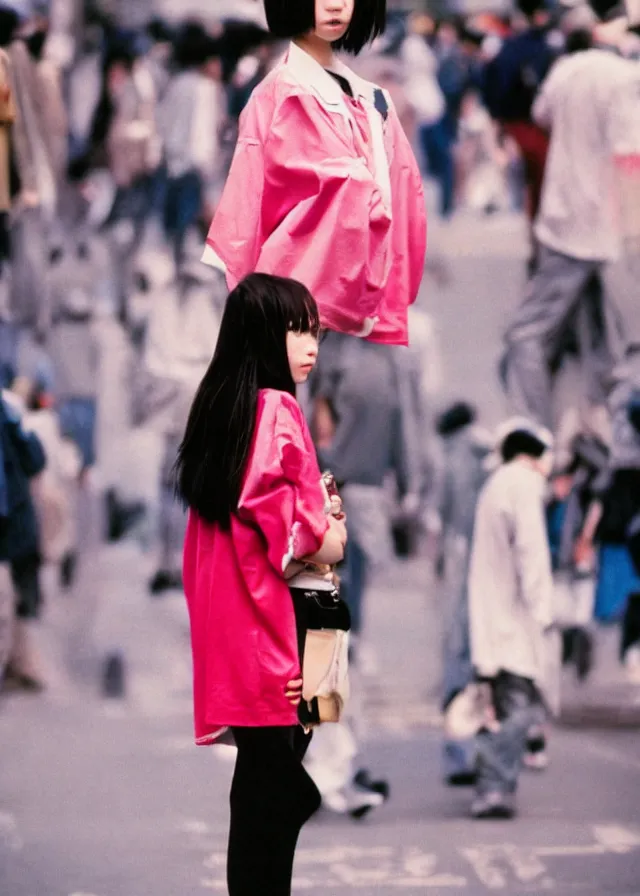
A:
(510, 608)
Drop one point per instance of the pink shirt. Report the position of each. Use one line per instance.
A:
(243, 632)
(326, 191)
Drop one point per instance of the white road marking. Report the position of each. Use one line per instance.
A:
(493, 863)
(356, 868)
(496, 866)
(9, 836)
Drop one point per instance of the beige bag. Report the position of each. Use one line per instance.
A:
(326, 672)
(53, 506)
(469, 712)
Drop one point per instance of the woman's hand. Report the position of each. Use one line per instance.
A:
(584, 555)
(336, 508)
(294, 692)
(335, 540)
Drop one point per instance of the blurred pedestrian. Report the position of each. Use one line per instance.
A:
(55, 489)
(605, 534)
(324, 186)
(248, 472)
(366, 426)
(38, 164)
(181, 334)
(21, 459)
(73, 348)
(573, 488)
(452, 507)
(511, 81)
(482, 159)
(511, 605)
(429, 107)
(125, 136)
(192, 117)
(589, 104)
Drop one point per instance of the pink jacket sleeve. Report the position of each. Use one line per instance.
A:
(409, 207)
(305, 205)
(235, 234)
(282, 495)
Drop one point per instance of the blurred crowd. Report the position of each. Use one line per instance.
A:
(113, 155)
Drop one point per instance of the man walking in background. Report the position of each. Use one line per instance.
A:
(510, 609)
(590, 104)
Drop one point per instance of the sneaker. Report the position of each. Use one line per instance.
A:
(536, 762)
(121, 517)
(363, 779)
(461, 779)
(165, 581)
(493, 805)
(536, 757)
(353, 800)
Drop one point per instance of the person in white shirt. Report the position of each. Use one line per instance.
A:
(510, 609)
(590, 102)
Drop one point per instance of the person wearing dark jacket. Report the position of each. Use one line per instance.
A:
(21, 458)
(511, 82)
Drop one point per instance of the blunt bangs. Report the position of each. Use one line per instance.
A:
(289, 19)
(300, 309)
(271, 307)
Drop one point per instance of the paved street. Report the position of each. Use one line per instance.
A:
(104, 799)
(110, 798)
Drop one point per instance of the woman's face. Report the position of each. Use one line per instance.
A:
(302, 352)
(333, 18)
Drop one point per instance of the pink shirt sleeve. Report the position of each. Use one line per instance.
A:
(235, 234)
(282, 494)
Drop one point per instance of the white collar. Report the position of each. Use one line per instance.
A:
(311, 74)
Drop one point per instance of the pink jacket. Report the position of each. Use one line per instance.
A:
(326, 191)
(243, 632)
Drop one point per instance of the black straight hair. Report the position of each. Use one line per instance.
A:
(457, 417)
(522, 442)
(251, 354)
(193, 47)
(578, 41)
(294, 18)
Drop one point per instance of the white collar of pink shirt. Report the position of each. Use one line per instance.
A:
(314, 77)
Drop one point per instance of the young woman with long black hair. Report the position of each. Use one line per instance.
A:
(247, 470)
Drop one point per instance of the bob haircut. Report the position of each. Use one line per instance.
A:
(293, 18)
(251, 354)
(522, 442)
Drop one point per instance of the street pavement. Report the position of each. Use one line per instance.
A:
(110, 798)
(103, 797)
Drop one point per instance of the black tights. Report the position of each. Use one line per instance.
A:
(272, 797)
